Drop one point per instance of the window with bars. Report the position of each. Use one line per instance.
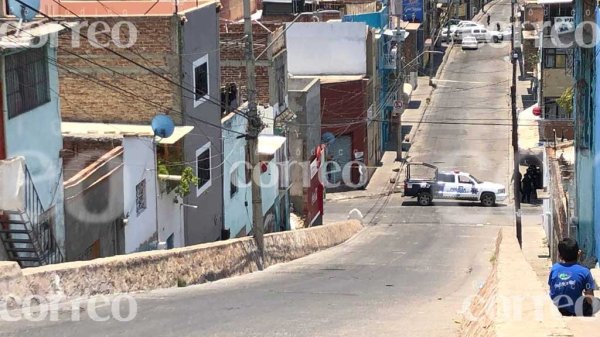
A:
(555, 58)
(201, 80)
(140, 197)
(27, 84)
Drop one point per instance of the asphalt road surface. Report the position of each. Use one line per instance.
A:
(407, 274)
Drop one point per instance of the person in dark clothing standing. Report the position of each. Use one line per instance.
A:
(498, 26)
(489, 18)
(526, 184)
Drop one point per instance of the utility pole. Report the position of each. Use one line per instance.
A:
(433, 40)
(255, 126)
(400, 94)
(515, 126)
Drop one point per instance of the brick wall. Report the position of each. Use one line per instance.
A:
(233, 67)
(234, 9)
(100, 95)
(346, 102)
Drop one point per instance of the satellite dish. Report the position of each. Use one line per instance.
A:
(327, 138)
(163, 126)
(25, 10)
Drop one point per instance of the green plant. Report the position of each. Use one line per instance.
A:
(533, 58)
(187, 179)
(181, 282)
(565, 101)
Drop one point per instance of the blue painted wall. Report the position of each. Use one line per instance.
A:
(237, 208)
(36, 135)
(374, 19)
(596, 141)
(585, 147)
(379, 20)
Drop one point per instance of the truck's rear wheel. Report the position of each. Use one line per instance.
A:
(488, 199)
(424, 198)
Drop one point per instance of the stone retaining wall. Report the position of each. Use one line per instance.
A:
(169, 268)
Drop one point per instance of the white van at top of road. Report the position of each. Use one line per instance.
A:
(480, 33)
(460, 25)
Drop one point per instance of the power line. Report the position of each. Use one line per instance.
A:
(210, 98)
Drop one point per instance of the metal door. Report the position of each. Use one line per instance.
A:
(341, 153)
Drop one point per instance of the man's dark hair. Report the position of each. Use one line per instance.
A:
(568, 250)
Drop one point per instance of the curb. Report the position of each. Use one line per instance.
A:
(414, 131)
(370, 195)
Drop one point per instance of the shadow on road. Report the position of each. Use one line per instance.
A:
(451, 204)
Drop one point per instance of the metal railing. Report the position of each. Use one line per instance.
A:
(42, 231)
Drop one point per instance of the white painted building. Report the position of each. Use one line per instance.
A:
(327, 48)
(153, 216)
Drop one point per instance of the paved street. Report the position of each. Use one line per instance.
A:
(406, 274)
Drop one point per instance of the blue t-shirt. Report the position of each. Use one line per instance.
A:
(569, 280)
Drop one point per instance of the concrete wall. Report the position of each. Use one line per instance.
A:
(138, 166)
(36, 135)
(305, 135)
(163, 269)
(170, 218)
(94, 209)
(505, 308)
(238, 214)
(200, 38)
(327, 48)
(556, 81)
(269, 187)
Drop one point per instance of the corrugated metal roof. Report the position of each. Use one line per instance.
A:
(110, 130)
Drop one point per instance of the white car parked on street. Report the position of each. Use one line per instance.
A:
(469, 42)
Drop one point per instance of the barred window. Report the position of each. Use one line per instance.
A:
(140, 197)
(27, 84)
(555, 58)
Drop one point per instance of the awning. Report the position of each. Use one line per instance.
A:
(27, 38)
(109, 130)
(392, 32)
(268, 144)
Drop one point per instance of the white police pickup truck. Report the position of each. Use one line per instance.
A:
(454, 185)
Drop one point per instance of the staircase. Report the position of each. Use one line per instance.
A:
(27, 234)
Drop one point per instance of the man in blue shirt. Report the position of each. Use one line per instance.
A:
(569, 282)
